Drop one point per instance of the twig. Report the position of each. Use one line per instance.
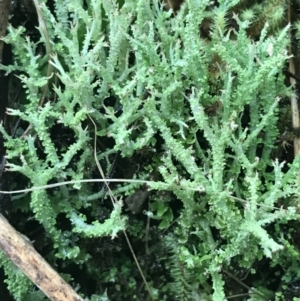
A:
(26, 258)
(294, 101)
(251, 290)
(113, 201)
(35, 188)
(4, 14)
(111, 172)
(238, 295)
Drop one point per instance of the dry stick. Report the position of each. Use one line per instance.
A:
(238, 295)
(110, 173)
(98, 163)
(33, 265)
(294, 101)
(35, 188)
(250, 289)
(147, 232)
(146, 245)
(4, 14)
(113, 201)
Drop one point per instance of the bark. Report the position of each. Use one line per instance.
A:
(4, 14)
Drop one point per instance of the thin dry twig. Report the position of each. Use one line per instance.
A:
(35, 188)
(250, 289)
(113, 199)
(149, 183)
